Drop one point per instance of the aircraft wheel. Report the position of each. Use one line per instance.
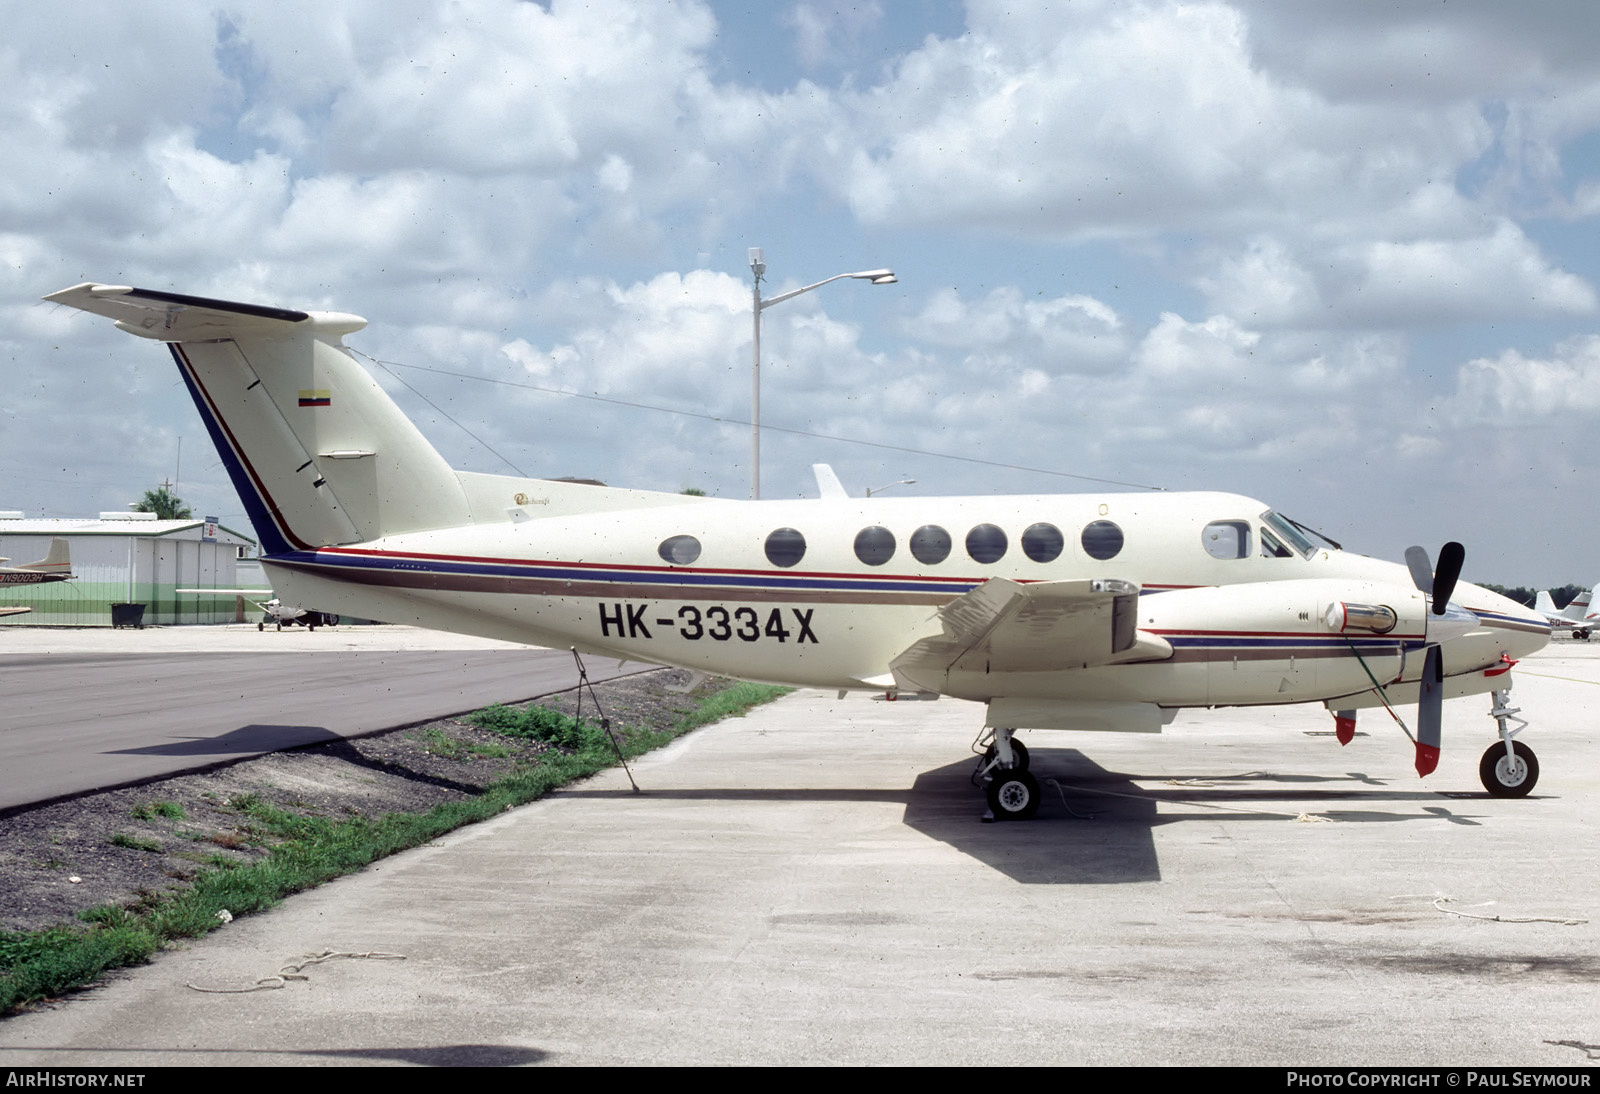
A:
(261, 626)
(1013, 795)
(1505, 778)
(1018, 750)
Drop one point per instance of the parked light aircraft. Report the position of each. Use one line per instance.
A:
(56, 565)
(273, 610)
(1578, 616)
(1098, 611)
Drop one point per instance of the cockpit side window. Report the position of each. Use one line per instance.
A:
(1227, 539)
(1271, 548)
(1287, 533)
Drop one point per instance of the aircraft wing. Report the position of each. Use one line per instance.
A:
(14, 611)
(1046, 626)
(258, 597)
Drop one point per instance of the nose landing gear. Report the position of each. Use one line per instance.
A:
(1509, 768)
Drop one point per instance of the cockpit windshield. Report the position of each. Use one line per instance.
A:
(1288, 532)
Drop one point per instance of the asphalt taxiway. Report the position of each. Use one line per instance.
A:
(88, 709)
(812, 884)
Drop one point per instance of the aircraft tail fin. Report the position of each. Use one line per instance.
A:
(1545, 603)
(319, 453)
(57, 561)
(1580, 606)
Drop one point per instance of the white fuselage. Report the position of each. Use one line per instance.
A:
(1245, 629)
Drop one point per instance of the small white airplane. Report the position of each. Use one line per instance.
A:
(273, 610)
(1578, 616)
(1095, 611)
(56, 565)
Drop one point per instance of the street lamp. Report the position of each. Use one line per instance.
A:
(758, 266)
(880, 489)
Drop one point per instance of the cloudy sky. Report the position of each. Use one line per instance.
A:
(1340, 257)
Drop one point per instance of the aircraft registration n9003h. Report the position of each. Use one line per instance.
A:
(1094, 611)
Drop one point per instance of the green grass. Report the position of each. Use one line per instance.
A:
(312, 850)
(450, 748)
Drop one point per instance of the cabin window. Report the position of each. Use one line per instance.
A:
(1227, 539)
(930, 544)
(1102, 540)
(875, 545)
(785, 547)
(680, 550)
(1043, 542)
(986, 543)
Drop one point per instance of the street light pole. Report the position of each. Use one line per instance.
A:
(758, 267)
(880, 489)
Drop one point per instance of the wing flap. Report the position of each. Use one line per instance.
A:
(1005, 626)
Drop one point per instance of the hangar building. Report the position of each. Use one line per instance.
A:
(126, 558)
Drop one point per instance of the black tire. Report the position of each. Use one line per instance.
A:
(261, 626)
(1018, 750)
(1013, 795)
(1501, 778)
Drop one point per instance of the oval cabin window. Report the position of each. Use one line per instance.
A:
(680, 550)
(875, 545)
(1102, 540)
(986, 543)
(1043, 542)
(930, 544)
(785, 547)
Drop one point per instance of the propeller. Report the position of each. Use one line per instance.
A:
(1445, 622)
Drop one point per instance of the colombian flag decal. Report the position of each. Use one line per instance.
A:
(318, 397)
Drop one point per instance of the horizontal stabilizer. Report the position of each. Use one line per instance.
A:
(173, 317)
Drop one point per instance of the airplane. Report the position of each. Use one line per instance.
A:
(273, 610)
(56, 565)
(1105, 611)
(1576, 616)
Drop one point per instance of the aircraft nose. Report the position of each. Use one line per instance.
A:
(1520, 629)
(1455, 622)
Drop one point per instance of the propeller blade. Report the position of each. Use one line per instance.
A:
(1421, 568)
(1430, 711)
(1451, 556)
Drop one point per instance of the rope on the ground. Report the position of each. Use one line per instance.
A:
(1505, 918)
(292, 971)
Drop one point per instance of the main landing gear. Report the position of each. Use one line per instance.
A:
(1509, 768)
(1002, 771)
